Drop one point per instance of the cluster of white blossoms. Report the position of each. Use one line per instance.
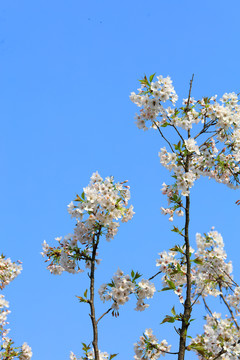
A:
(220, 339)
(174, 271)
(191, 146)
(234, 300)
(213, 272)
(217, 156)
(89, 355)
(4, 305)
(97, 212)
(26, 352)
(8, 272)
(122, 286)
(210, 274)
(160, 91)
(174, 199)
(149, 348)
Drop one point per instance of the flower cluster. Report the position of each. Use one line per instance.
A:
(122, 286)
(97, 211)
(9, 271)
(174, 270)
(210, 273)
(4, 305)
(234, 300)
(213, 273)
(148, 347)
(174, 199)
(158, 91)
(220, 337)
(26, 352)
(216, 157)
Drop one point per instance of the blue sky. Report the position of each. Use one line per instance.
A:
(66, 71)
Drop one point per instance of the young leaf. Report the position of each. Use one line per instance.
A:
(112, 356)
(171, 284)
(165, 124)
(173, 311)
(151, 77)
(169, 319)
(165, 289)
(78, 198)
(198, 261)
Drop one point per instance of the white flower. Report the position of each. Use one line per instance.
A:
(26, 352)
(191, 145)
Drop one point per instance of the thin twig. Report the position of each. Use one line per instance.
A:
(198, 297)
(177, 132)
(189, 94)
(229, 309)
(152, 277)
(208, 309)
(187, 304)
(106, 312)
(163, 136)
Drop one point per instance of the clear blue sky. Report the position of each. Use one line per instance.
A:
(66, 71)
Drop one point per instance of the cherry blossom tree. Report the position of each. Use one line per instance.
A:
(208, 144)
(207, 134)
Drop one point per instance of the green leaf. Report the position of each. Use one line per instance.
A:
(179, 268)
(169, 319)
(81, 299)
(199, 348)
(85, 293)
(173, 311)
(165, 289)
(137, 275)
(176, 230)
(165, 125)
(132, 274)
(176, 247)
(151, 77)
(112, 356)
(198, 261)
(85, 347)
(77, 198)
(171, 284)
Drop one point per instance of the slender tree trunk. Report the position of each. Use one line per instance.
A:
(91, 301)
(187, 304)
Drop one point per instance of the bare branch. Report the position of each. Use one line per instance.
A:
(229, 309)
(189, 94)
(163, 136)
(152, 277)
(106, 312)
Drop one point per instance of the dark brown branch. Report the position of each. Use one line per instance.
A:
(229, 309)
(163, 136)
(177, 132)
(187, 304)
(219, 354)
(92, 289)
(189, 94)
(152, 277)
(198, 296)
(205, 128)
(106, 312)
(208, 309)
